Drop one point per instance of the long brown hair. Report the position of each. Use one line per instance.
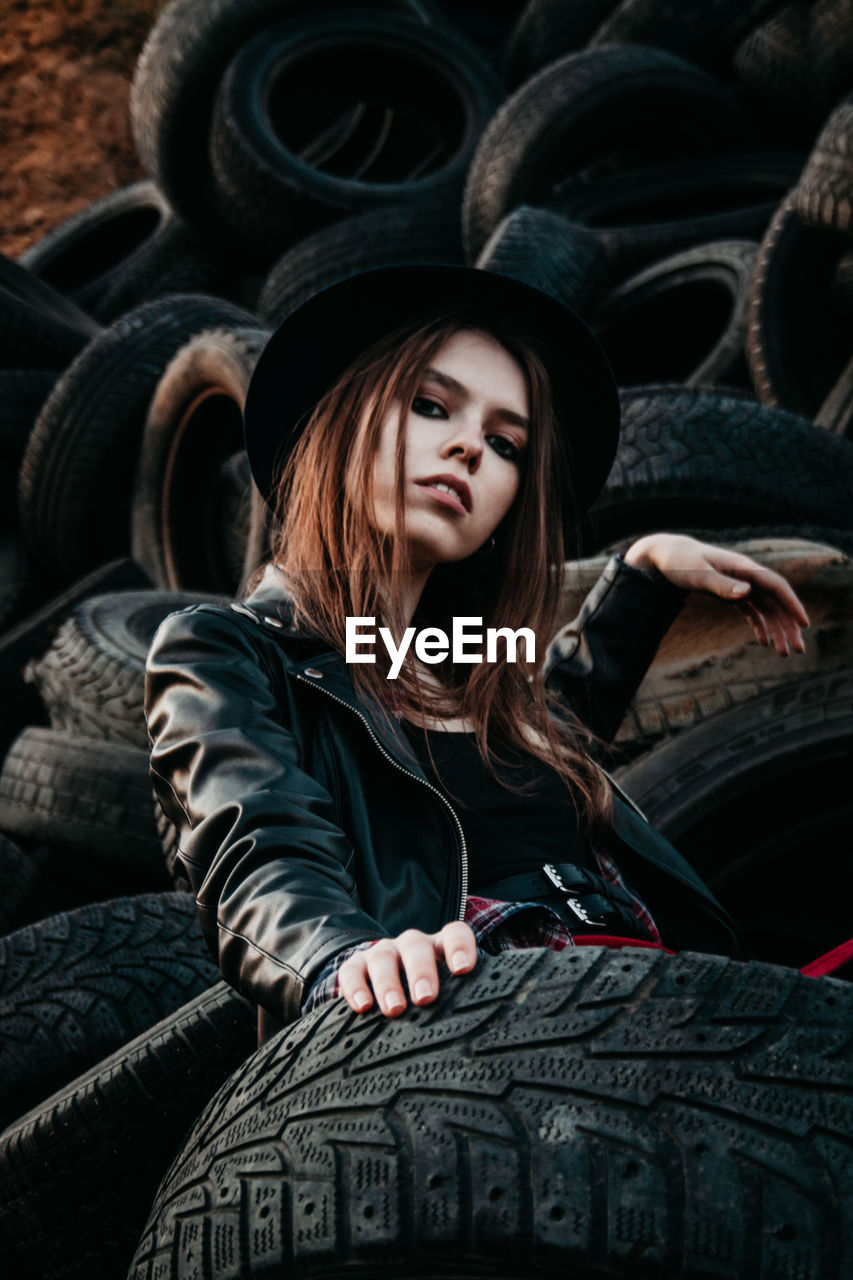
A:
(338, 565)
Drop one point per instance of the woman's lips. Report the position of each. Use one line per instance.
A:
(446, 499)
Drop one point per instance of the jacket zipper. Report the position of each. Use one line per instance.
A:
(463, 848)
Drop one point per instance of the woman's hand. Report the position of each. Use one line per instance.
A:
(767, 600)
(376, 970)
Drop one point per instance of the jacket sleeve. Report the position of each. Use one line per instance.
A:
(597, 661)
(271, 869)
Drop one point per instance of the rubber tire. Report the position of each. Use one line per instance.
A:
(641, 216)
(122, 250)
(22, 394)
(194, 426)
(18, 876)
(545, 250)
(737, 795)
(92, 678)
(21, 588)
(106, 1139)
(274, 194)
(826, 184)
(681, 320)
(39, 328)
(694, 29)
(547, 30)
(577, 110)
(75, 987)
(90, 797)
(776, 62)
(76, 480)
(796, 343)
(688, 458)
(584, 1113)
(383, 237)
(174, 85)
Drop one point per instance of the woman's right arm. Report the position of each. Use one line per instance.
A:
(271, 869)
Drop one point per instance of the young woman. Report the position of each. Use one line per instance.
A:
(430, 439)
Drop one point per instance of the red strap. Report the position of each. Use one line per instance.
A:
(610, 940)
(830, 961)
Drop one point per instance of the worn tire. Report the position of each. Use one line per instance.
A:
(76, 480)
(702, 32)
(690, 458)
(92, 678)
(737, 795)
(39, 328)
(545, 250)
(180, 531)
(547, 30)
(106, 1139)
(576, 111)
(90, 797)
(436, 96)
(383, 237)
(681, 320)
(75, 987)
(589, 1113)
(122, 250)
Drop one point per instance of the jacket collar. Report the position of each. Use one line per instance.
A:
(272, 603)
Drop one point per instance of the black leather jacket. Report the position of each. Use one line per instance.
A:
(307, 825)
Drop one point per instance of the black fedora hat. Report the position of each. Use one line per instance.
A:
(313, 346)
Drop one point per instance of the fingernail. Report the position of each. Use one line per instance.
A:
(423, 989)
(459, 960)
(739, 588)
(361, 1000)
(394, 1001)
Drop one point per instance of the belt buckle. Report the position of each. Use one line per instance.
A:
(574, 904)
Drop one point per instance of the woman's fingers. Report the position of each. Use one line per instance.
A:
(396, 969)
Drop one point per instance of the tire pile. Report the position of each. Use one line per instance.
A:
(682, 174)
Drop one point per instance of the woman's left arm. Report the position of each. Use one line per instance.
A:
(766, 599)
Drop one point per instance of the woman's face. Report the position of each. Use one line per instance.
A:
(466, 429)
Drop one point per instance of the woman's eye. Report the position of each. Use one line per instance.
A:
(425, 407)
(505, 448)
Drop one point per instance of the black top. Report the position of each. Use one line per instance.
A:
(505, 833)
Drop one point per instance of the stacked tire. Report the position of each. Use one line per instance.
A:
(683, 176)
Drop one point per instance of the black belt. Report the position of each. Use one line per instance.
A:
(584, 900)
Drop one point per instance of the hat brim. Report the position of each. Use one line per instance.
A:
(318, 341)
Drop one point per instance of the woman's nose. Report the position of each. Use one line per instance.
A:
(465, 443)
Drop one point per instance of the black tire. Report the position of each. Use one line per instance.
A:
(549, 29)
(77, 472)
(75, 987)
(640, 216)
(583, 1113)
(18, 876)
(681, 320)
(577, 111)
(694, 29)
(39, 328)
(22, 394)
(176, 78)
(709, 660)
(426, 97)
(688, 458)
(122, 250)
(738, 794)
(107, 1138)
(92, 678)
(797, 343)
(85, 795)
(380, 238)
(181, 533)
(19, 583)
(831, 40)
(545, 250)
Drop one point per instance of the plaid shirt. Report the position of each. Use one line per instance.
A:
(509, 926)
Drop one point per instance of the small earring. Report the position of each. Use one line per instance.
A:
(487, 548)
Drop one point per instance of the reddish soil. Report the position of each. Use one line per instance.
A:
(65, 138)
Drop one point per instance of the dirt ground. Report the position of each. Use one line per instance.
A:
(65, 139)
